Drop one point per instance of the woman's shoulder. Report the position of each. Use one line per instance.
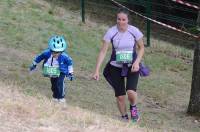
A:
(135, 31)
(112, 30)
(133, 28)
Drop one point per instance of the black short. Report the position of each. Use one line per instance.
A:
(118, 82)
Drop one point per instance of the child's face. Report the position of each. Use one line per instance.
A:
(56, 54)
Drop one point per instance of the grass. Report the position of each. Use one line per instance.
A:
(44, 115)
(25, 27)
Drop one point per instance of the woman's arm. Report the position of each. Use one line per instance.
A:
(140, 44)
(100, 59)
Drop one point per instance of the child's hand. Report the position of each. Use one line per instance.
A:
(32, 67)
(70, 76)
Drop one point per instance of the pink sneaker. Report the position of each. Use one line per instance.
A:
(134, 113)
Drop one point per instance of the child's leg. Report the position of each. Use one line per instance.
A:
(54, 87)
(60, 86)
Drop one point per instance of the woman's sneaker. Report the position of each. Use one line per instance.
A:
(125, 118)
(134, 113)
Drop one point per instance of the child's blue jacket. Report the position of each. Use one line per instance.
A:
(64, 60)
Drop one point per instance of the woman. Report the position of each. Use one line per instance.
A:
(124, 62)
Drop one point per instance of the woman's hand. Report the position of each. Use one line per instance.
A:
(95, 76)
(100, 59)
(135, 67)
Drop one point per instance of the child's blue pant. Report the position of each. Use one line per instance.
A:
(57, 86)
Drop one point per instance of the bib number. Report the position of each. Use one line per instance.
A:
(51, 71)
(124, 56)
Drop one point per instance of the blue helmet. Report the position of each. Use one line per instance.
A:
(57, 43)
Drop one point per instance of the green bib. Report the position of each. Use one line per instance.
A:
(51, 71)
(124, 56)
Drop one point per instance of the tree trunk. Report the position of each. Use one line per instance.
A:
(194, 104)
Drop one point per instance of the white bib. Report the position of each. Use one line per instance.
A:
(51, 68)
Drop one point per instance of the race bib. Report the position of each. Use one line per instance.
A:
(124, 56)
(51, 71)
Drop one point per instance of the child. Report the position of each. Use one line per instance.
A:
(56, 65)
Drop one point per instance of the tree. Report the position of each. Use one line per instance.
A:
(194, 104)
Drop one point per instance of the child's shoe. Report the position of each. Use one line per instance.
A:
(62, 100)
(54, 99)
(134, 113)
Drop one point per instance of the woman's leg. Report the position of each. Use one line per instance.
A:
(117, 82)
(132, 97)
(121, 104)
(131, 87)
